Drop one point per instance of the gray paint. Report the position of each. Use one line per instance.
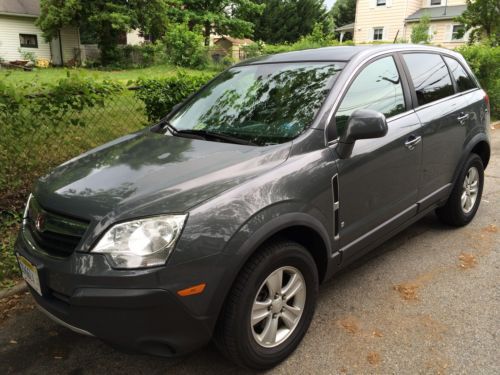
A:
(237, 197)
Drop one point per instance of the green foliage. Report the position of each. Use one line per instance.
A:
(27, 55)
(141, 55)
(484, 59)
(420, 31)
(343, 12)
(481, 17)
(161, 95)
(185, 48)
(224, 17)
(52, 101)
(287, 20)
(9, 225)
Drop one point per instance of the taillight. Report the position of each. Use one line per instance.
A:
(487, 101)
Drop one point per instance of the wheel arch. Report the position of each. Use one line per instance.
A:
(479, 145)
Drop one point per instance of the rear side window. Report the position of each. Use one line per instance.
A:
(464, 82)
(430, 77)
(377, 87)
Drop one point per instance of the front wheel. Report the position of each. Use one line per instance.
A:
(270, 306)
(465, 197)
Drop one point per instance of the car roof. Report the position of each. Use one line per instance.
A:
(340, 53)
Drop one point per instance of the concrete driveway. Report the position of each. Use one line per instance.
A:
(425, 302)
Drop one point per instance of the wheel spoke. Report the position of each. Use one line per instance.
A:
(260, 311)
(274, 282)
(292, 287)
(268, 335)
(463, 199)
(469, 203)
(290, 315)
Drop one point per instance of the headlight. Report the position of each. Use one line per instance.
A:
(141, 243)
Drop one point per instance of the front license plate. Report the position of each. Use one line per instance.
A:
(30, 273)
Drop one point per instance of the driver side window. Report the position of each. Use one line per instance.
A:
(377, 87)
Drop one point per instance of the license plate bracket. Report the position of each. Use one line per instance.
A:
(30, 273)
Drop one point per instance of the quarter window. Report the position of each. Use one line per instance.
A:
(28, 40)
(430, 77)
(377, 87)
(378, 33)
(464, 82)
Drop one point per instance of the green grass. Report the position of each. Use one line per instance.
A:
(52, 75)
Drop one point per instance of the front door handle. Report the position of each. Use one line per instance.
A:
(412, 141)
(462, 117)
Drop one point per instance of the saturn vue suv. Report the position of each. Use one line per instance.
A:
(221, 220)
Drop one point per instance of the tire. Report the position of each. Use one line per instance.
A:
(454, 212)
(246, 344)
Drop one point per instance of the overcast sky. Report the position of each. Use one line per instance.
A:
(329, 4)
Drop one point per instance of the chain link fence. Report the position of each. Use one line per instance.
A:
(27, 154)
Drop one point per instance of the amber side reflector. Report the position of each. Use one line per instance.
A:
(196, 289)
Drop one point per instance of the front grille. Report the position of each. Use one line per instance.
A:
(53, 233)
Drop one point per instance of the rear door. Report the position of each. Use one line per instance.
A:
(378, 182)
(442, 113)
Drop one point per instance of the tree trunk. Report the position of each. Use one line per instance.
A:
(207, 32)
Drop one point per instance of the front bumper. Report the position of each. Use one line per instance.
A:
(136, 310)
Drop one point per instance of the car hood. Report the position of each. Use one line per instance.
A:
(148, 173)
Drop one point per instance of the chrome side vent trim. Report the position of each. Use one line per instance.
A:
(336, 206)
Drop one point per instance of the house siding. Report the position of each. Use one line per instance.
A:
(10, 28)
(70, 43)
(392, 18)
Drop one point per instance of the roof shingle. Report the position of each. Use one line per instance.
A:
(28, 8)
(438, 13)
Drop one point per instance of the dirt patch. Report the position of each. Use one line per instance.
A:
(407, 291)
(349, 324)
(492, 228)
(373, 358)
(467, 260)
(13, 305)
(377, 333)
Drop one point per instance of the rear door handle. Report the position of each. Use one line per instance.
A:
(462, 117)
(412, 141)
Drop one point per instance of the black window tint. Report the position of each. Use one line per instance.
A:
(464, 82)
(377, 87)
(430, 77)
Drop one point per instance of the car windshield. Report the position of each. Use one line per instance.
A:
(262, 104)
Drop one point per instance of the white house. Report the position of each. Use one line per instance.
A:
(19, 33)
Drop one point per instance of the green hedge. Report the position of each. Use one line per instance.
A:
(485, 62)
(160, 95)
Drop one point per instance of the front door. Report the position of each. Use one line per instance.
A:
(378, 183)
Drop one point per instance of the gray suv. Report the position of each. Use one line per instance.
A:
(222, 220)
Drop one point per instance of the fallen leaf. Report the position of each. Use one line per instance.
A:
(12, 342)
(373, 358)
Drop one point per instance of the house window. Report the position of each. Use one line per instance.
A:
(457, 32)
(378, 33)
(435, 2)
(28, 40)
(380, 3)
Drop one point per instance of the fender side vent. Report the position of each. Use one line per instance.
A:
(336, 206)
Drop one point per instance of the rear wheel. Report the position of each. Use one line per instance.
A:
(465, 197)
(270, 306)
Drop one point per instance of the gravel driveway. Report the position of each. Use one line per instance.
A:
(427, 301)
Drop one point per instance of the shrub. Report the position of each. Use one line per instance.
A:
(185, 47)
(420, 31)
(160, 95)
(484, 60)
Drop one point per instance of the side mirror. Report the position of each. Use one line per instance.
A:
(362, 124)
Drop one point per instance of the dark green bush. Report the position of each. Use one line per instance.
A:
(485, 62)
(185, 47)
(160, 95)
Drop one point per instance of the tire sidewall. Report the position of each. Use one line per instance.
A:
(292, 255)
(473, 161)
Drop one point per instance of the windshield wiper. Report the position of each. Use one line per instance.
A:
(166, 124)
(223, 137)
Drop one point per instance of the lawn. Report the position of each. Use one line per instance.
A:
(52, 75)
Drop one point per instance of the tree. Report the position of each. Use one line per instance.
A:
(420, 32)
(104, 20)
(481, 16)
(288, 20)
(343, 12)
(219, 16)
